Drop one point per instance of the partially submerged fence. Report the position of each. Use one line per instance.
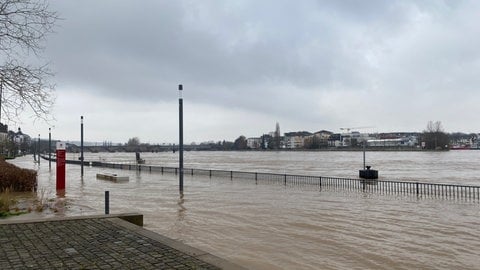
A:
(450, 191)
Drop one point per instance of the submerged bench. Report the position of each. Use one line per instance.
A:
(112, 177)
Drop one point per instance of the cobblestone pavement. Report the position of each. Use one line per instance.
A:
(96, 243)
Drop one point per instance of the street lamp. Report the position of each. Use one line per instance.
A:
(1, 94)
(81, 145)
(49, 148)
(180, 148)
(38, 149)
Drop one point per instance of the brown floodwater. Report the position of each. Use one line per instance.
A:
(268, 226)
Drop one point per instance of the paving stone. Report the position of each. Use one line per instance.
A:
(86, 244)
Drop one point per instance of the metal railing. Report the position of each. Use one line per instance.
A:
(447, 191)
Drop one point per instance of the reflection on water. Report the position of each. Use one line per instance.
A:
(267, 226)
(181, 208)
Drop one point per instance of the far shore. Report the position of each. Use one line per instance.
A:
(332, 149)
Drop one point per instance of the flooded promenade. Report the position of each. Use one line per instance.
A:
(275, 227)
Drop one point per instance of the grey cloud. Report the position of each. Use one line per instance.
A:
(272, 57)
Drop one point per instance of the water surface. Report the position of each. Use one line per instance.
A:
(269, 226)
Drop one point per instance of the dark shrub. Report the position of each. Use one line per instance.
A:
(15, 178)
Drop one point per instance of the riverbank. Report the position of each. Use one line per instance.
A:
(188, 147)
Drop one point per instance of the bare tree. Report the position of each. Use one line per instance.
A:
(434, 136)
(24, 25)
(135, 141)
(434, 127)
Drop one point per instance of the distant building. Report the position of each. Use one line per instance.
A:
(21, 140)
(3, 132)
(254, 143)
(317, 140)
(323, 134)
(3, 138)
(335, 140)
(400, 142)
(394, 139)
(353, 139)
(294, 140)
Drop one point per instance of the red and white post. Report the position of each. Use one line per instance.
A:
(61, 155)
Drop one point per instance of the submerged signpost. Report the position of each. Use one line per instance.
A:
(180, 146)
(60, 166)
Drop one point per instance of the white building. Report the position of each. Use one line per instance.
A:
(293, 142)
(400, 142)
(254, 143)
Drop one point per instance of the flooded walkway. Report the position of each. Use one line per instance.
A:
(95, 242)
(273, 226)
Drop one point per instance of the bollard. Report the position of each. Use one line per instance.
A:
(107, 202)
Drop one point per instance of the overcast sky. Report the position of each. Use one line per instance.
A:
(245, 65)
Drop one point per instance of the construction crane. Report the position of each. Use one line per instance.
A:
(350, 128)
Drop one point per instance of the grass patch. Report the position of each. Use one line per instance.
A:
(8, 205)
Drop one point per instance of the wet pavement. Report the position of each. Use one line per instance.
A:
(95, 242)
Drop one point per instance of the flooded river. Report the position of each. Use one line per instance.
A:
(268, 226)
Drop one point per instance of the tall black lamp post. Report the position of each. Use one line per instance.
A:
(38, 149)
(180, 147)
(49, 148)
(81, 145)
